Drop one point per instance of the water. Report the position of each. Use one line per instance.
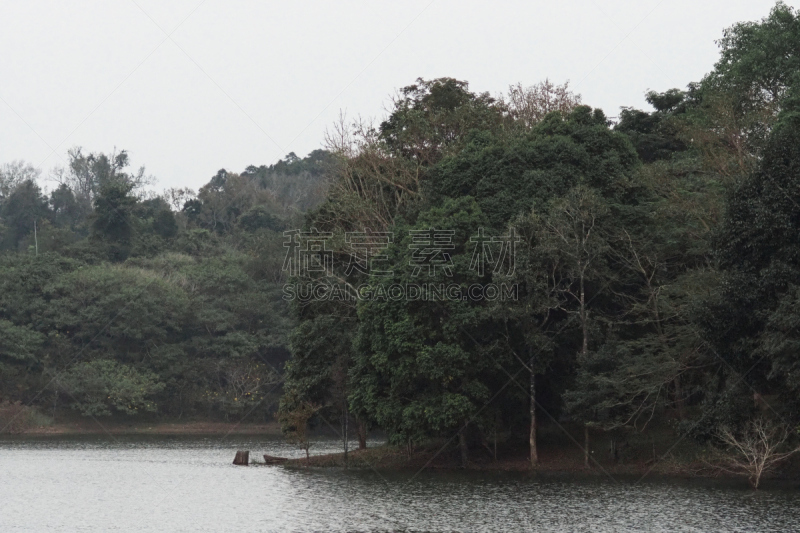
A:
(137, 484)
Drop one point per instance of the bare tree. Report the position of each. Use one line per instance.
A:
(529, 105)
(756, 449)
(177, 198)
(370, 185)
(669, 351)
(572, 236)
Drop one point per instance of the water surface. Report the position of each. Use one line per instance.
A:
(157, 483)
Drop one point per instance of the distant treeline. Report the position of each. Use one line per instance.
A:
(118, 300)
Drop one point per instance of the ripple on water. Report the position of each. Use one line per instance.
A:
(137, 484)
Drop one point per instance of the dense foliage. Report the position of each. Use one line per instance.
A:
(654, 262)
(654, 265)
(116, 301)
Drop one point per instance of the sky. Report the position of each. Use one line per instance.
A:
(191, 86)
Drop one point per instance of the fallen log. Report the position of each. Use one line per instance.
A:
(242, 458)
(272, 460)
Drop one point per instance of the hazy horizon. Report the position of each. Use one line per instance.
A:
(193, 86)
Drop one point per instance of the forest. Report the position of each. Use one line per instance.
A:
(656, 269)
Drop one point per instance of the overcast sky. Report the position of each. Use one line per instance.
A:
(190, 86)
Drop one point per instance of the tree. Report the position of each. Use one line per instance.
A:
(148, 310)
(66, 211)
(19, 344)
(295, 183)
(738, 103)
(177, 197)
(526, 322)
(510, 176)
(759, 60)
(750, 319)
(573, 239)
(260, 217)
(223, 200)
(295, 425)
(656, 135)
(23, 208)
(97, 387)
(267, 196)
(756, 450)
(112, 220)
(86, 173)
(15, 173)
(20, 358)
(370, 187)
(529, 105)
(241, 385)
(208, 327)
(432, 117)
(423, 369)
(317, 373)
(154, 223)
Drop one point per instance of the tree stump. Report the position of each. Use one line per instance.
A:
(242, 458)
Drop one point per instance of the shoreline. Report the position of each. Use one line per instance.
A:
(390, 459)
(85, 427)
(554, 462)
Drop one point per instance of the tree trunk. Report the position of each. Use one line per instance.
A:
(462, 444)
(679, 403)
(584, 320)
(532, 437)
(362, 434)
(345, 431)
(586, 445)
(584, 352)
(55, 401)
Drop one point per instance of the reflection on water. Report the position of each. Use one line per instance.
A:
(188, 484)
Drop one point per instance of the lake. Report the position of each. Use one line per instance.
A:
(138, 484)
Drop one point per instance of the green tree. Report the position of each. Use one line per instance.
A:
(752, 315)
(66, 210)
(421, 369)
(509, 177)
(97, 387)
(656, 135)
(23, 208)
(112, 221)
(759, 60)
(15, 173)
(20, 359)
(431, 117)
